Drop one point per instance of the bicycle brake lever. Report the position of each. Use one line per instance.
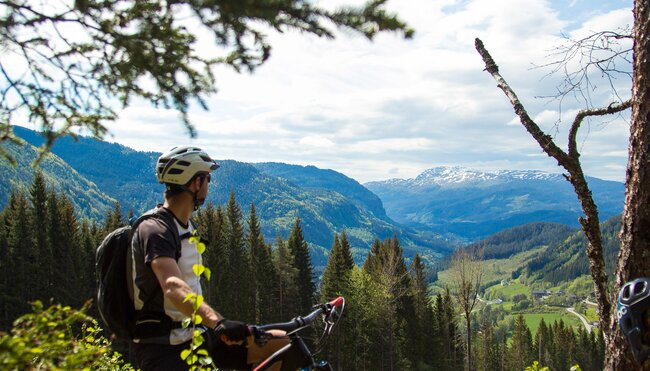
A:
(259, 336)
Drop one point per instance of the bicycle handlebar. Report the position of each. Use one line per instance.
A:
(331, 312)
(299, 322)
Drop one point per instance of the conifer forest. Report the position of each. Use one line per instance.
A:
(391, 321)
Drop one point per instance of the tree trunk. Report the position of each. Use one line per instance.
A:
(635, 230)
(469, 340)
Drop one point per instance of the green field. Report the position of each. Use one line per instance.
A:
(592, 314)
(494, 270)
(507, 292)
(533, 319)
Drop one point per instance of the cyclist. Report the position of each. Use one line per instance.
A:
(162, 277)
(634, 318)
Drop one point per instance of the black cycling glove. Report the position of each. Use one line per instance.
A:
(234, 330)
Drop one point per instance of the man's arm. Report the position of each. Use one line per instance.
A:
(176, 290)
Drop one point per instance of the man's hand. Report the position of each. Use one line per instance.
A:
(232, 330)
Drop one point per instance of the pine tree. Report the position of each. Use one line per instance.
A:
(332, 282)
(385, 264)
(114, 218)
(488, 352)
(541, 344)
(211, 223)
(452, 350)
(335, 282)
(422, 338)
(599, 351)
(287, 299)
(263, 271)
(302, 261)
(38, 219)
(346, 250)
(236, 299)
(21, 285)
(521, 350)
(67, 255)
(6, 264)
(87, 245)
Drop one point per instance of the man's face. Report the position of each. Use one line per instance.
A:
(203, 182)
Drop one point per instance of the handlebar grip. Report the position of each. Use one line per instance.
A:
(338, 302)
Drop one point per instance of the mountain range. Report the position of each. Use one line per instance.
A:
(471, 204)
(433, 213)
(327, 202)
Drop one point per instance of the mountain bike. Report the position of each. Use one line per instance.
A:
(296, 355)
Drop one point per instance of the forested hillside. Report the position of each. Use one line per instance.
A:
(512, 241)
(87, 198)
(313, 177)
(566, 260)
(327, 202)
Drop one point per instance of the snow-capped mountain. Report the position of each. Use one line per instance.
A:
(456, 175)
(473, 204)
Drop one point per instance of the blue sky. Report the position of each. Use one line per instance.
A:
(393, 107)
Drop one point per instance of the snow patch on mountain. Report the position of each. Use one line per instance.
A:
(457, 175)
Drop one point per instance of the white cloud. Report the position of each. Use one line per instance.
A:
(395, 107)
(316, 141)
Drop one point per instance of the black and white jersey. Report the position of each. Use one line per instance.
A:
(157, 320)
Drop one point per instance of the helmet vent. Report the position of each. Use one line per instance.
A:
(183, 163)
(175, 171)
(206, 158)
(626, 292)
(639, 287)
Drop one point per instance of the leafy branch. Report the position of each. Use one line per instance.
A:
(66, 68)
(195, 356)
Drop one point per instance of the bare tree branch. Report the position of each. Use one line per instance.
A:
(573, 132)
(571, 163)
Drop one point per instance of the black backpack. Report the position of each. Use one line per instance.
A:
(112, 268)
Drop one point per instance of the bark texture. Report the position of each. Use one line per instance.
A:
(634, 256)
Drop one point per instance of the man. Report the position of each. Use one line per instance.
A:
(162, 277)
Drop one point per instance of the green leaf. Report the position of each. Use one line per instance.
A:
(194, 240)
(200, 247)
(198, 269)
(186, 322)
(197, 341)
(189, 296)
(202, 352)
(207, 273)
(198, 320)
(185, 353)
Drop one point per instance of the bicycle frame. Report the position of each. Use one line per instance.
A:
(332, 309)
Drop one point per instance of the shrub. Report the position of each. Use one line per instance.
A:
(57, 338)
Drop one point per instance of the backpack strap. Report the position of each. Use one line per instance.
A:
(166, 217)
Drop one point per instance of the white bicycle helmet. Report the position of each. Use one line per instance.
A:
(180, 164)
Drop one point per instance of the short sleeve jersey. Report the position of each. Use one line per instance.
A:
(152, 240)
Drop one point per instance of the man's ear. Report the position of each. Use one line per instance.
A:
(194, 184)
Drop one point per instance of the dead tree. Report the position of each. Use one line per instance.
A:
(466, 275)
(570, 161)
(635, 230)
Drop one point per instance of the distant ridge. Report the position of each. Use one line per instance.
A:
(473, 204)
